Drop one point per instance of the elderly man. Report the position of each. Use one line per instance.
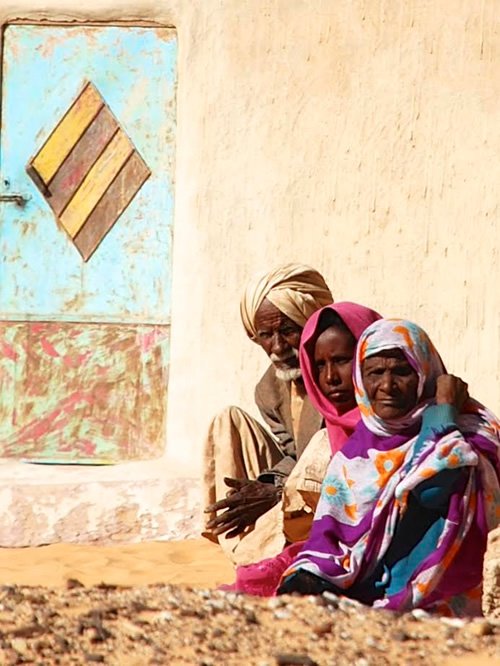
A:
(246, 466)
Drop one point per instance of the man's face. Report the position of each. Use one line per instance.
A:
(279, 337)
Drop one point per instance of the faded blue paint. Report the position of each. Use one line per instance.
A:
(41, 272)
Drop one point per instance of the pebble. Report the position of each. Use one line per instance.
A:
(276, 602)
(362, 662)
(216, 605)
(129, 629)
(330, 599)
(323, 629)
(373, 644)
(20, 645)
(50, 633)
(349, 604)
(199, 632)
(251, 617)
(164, 616)
(233, 598)
(481, 628)
(294, 660)
(73, 583)
(173, 602)
(282, 614)
(454, 622)
(420, 614)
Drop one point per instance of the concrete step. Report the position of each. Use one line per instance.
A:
(128, 502)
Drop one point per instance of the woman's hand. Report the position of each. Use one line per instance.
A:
(451, 390)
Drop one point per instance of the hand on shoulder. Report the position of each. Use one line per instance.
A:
(451, 390)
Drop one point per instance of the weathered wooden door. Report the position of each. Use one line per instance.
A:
(86, 211)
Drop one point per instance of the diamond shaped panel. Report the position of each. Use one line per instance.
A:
(88, 170)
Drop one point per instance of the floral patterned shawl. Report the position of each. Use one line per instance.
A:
(368, 484)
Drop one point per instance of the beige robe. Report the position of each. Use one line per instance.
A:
(238, 446)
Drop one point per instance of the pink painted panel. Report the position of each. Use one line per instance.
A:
(92, 393)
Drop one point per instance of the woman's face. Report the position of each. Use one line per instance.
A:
(333, 357)
(390, 383)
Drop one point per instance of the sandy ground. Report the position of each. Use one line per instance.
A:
(155, 604)
(194, 562)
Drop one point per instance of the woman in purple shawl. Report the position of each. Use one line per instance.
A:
(407, 504)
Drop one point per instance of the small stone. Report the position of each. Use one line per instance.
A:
(295, 660)
(330, 599)
(362, 662)
(20, 645)
(420, 614)
(345, 635)
(200, 632)
(62, 643)
(251, 617)
(164, 616)
(347, 605)
(276, 602)
(373, 644)
(73, 583)
(28, 631)
(130, 629)
(454, 622)
(481, 628)
(172, 601)
(107, 587)
(323, 629)
(100, 635)
(216, 605)
(232, 598)
(401, 635)
(282, 614)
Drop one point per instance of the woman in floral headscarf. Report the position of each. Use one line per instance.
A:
(407, 504)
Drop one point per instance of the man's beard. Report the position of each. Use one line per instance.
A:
(289, 374)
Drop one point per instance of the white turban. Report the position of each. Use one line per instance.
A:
(296, 290)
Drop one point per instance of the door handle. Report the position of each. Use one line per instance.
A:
(17, 199)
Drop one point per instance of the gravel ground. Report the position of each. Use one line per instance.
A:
(166, 624)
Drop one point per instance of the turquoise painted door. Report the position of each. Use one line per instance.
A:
(86, 214)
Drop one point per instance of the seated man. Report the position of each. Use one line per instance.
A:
(246, 466)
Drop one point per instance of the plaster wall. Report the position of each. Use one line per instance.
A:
(362, 137)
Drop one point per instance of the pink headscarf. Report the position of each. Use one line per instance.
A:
(356, 318)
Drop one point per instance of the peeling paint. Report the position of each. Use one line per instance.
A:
(83, 392)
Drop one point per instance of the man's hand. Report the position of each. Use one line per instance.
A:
(451, 390)
(245, 502)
